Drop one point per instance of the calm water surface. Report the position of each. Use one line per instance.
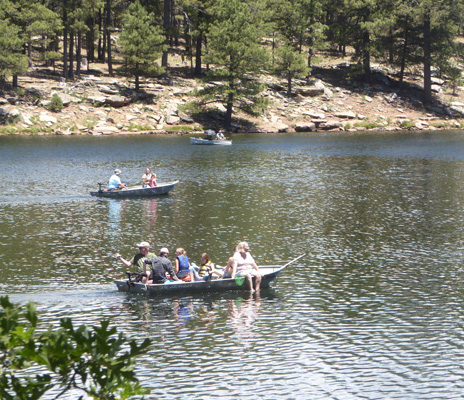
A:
(374, 310)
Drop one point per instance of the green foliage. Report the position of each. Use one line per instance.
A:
(407, 124)
(138, 127)
(234, 47)
(177, 128)
(11, 59)
(97, 361)
(291, 63)
(56, 104)
(142, 42)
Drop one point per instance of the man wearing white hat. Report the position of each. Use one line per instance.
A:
(115, 181)
(139, 258)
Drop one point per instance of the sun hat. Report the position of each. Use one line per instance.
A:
(117, 171)
(164, 250)
(143, 244)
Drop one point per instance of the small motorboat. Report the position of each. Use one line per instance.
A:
(223, 142)
(135, 191)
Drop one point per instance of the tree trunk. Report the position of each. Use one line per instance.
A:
(198, 54)
(78, 53)
(65, 39)
(90, 40)
(230, 103)
(427, 60)
(15, 80)
(403, 52)
(108, 37)
(289, 85)
(71, 54)
(100, 51)
(166, 25)
(366, 57)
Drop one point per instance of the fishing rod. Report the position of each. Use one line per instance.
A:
(104, 259)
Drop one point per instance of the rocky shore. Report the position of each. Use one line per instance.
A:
(97, 104)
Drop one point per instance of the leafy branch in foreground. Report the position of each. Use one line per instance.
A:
(93, 361)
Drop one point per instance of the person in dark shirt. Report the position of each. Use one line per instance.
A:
(159, 267)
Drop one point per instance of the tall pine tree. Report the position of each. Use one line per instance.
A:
(234, 48)
(142, 42)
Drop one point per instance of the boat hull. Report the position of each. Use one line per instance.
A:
(210, 142)
(215, 285)
(137, 191)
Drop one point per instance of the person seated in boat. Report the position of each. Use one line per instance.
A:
(209, 134)
(160, 267)
(244, 265)
(149, 178)
(227, 273)
(138, 259)
(208, 268)
(115, 182)
(184, 270)
(220, 136)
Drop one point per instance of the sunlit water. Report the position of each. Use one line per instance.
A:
(373, 311)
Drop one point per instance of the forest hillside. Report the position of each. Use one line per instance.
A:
(182, 66)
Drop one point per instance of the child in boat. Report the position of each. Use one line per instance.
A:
(183, 269)
(153, 181)
(208, 268)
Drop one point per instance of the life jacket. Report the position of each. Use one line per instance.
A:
(183, 264)
(204, 268)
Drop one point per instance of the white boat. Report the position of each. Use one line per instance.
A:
(223, 142)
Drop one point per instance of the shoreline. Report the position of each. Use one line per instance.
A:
(99, 105)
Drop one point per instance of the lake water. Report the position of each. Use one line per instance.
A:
(373, 311)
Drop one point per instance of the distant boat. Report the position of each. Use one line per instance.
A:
(223, 142)
(136, 191)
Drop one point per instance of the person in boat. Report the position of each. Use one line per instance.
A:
(209, 134)
(244, 266)
(207, 268)
(220, 136)
(160, 266)
(149, 178)
(115, 181)
(184, 270)
(138, 259)
(227, 273)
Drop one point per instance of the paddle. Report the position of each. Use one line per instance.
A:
(295, 259)
(104, 259)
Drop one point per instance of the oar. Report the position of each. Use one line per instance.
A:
(295, 259)
(104, 259)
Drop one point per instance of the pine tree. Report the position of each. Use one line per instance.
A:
(291, 63)
(141, 43)
(12, 61)
(234, 48)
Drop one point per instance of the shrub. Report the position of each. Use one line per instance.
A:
(56, 104)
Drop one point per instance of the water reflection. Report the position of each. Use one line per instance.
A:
(115, 209)
(242, 314)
